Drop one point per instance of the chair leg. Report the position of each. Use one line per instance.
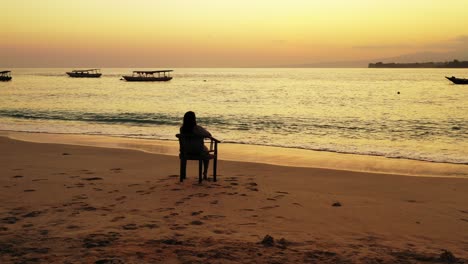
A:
(200, 163)
(215, 163)
(206, 164)
(183, 169)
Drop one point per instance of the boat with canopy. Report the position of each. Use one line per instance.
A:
(149, 76)
(90, 73)
(5, 76)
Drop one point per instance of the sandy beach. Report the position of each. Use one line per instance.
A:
(64, 203)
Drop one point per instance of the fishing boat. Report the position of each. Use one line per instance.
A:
(5, 76)
(456, 80)
(91, 73)
(149, 76)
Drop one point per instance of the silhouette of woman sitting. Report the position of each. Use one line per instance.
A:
(190, 127)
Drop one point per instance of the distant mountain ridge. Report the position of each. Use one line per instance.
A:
(405, 58)
(449, 64)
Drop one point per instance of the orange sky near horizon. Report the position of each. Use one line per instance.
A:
(210, 33)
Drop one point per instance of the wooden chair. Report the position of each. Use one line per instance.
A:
(191, 147)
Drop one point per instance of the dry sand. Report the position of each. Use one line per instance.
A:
(76, 204)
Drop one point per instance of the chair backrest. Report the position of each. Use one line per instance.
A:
(191, 145)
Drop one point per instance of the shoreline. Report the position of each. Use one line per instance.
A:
(291, 157)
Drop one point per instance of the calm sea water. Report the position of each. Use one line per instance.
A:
(340, 110)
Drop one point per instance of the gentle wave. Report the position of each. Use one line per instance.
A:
(285, 125)
(121, 118)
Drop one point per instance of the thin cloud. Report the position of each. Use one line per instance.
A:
(395, 46)
(462, 38)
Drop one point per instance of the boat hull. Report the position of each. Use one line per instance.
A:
(456, 80)
(147, 79)
(5, 78)
(87, 75)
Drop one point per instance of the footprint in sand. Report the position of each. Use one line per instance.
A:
(110, 261)
(177, 227)
(210, 217)
(197, 213)
(269, 207)
(130, 227)
(196, 222)
(199, 195)
(88, 208)
(231, 179)
(80, 197)
(117, 218)
(150, 226)
(412, 201)
(92, 179)
(17, 176)
(214, 202)
(247, 224)
(227, 232)
(116, 170)
(9, 220)
(120, 198)
(252, 186)
(100, 240)
(165, 209)
(33, 214)
(29, 190)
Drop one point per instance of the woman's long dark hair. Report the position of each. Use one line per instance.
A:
(190, 121)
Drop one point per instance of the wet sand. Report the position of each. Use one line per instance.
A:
(80, 204)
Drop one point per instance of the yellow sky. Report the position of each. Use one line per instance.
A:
(189, 33)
